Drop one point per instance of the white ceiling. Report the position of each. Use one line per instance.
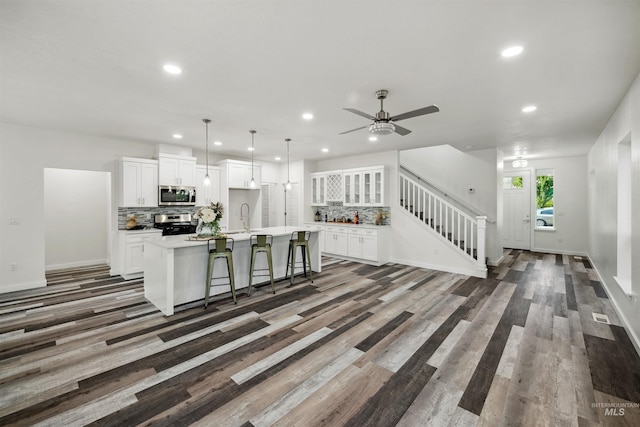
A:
(95, 67)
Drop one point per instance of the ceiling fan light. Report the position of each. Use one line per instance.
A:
(519, 163)
(382, 128)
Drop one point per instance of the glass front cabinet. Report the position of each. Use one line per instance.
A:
(318, 189)
(364, 187)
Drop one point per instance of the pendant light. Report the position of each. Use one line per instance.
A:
(288, 185)
(207, 179)
(252, 184)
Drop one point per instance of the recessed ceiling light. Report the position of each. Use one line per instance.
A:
(251, 149)
(325, 150)
(217, 143)
(172, 69)
(177, 136)
(512, 51)
(307, 116)
(373, 138)
(529, 109)
(277, 158)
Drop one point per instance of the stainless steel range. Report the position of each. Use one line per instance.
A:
(174, 224)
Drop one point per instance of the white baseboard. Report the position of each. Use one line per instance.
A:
(635, 340)
(23, 286)
(76, 264)
(495, 263)
(466, 271)
(559, 251)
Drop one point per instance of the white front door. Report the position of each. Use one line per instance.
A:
(516, 192)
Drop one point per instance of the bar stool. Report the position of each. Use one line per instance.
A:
(299, 239)
(261, 243)
(220, 249)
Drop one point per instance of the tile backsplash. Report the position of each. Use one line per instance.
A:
(333, 211)
(366, 214)
(142, 214)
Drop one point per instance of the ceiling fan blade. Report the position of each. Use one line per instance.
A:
(401, 131)
(353, 130)
(419, 112)
(360, 113)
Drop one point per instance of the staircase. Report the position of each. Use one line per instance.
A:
(461, 230)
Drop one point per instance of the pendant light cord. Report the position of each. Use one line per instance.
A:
(206, 123)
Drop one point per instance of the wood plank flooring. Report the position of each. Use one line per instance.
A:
(360, 346)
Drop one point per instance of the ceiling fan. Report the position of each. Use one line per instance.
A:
(382, 123)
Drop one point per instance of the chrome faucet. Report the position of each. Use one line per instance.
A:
(246, 225)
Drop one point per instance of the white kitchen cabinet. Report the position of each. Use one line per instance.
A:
(352, 188)
(239, 174)
(132, 251)
(373, 187)
(364, 187)
(206, 194)
(318, 189)
(335, 241)
(138, 182)
(176, 170)
(363, 243)
(333, 186)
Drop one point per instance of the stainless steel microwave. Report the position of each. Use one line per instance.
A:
(169, 195)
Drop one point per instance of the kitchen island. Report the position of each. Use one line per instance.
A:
(175, 268)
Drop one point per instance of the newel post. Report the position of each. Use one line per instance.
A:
(482, 241)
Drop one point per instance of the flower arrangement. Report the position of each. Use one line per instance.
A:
(208, 217)
(380, 216)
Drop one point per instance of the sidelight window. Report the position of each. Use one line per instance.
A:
(545, 211)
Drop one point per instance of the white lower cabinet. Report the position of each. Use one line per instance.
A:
(132, 251)
(357, 242)
(335, 241)
(363, 243)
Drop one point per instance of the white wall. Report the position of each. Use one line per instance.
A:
(602, 196)
(77, 226)
(570, 202)
(26, 152)
(455, 172)
(410, 242)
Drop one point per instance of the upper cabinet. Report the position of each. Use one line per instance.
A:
(318, 189)
(333, 186)
(207, 194)
(139, 182)
(364, 187)
(238, 174)
(176, 170)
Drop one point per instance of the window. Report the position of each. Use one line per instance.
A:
(545, 216)
(510, 182)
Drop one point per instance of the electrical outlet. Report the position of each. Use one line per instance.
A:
(148, 216)
(13, 266)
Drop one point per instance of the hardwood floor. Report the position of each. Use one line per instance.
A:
(361, 346)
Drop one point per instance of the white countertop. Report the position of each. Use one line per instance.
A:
(142, 231)
(181, 240)
(345, 224)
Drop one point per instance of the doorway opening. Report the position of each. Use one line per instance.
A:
(77, 215)
(623, 232)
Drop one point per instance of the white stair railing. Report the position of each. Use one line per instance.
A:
(461, 230)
